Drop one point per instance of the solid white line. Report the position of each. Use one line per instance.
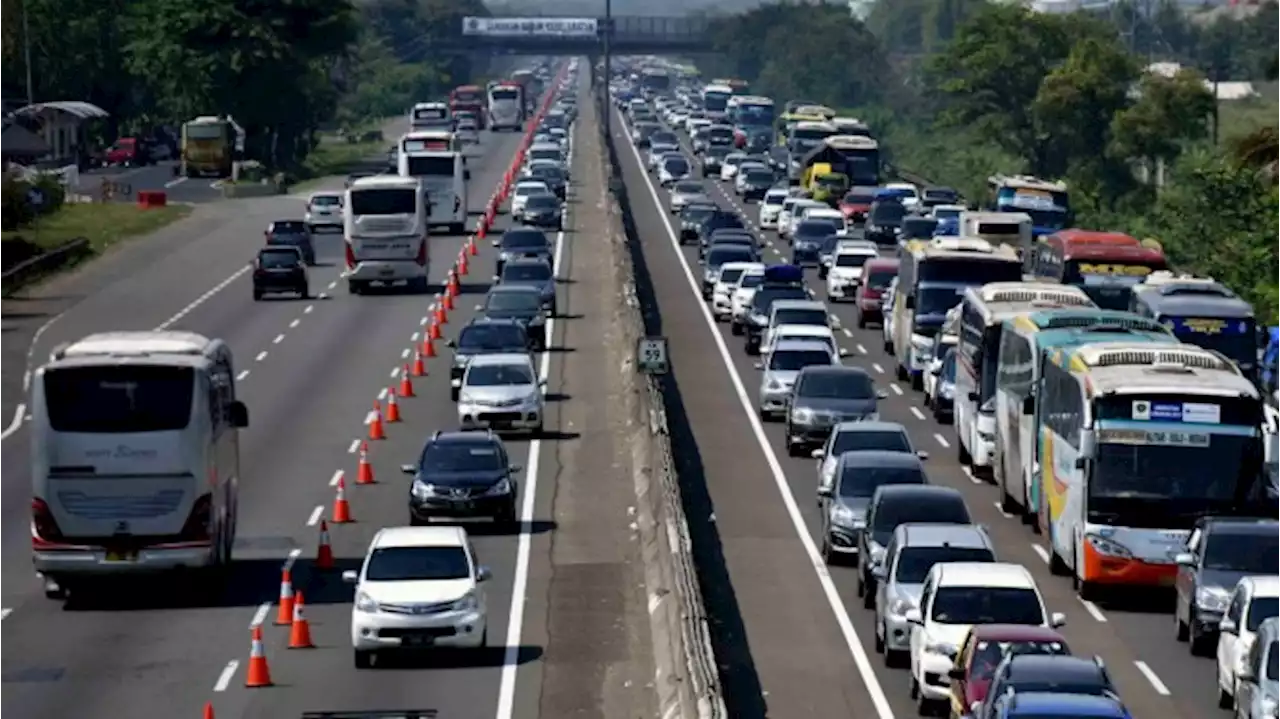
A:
(850, 634)
(916, 411)
(1152, 677)
(1093, 611)
(337, 474)
(5, 613)
(941, 440)
(316, 514)
(16, 422)
(519, 583)
(1041, 552)
(896, 389)
(260, 616)
(228, 672)
(202, 298)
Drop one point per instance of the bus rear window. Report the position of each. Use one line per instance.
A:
(119, 399)
(974, 272)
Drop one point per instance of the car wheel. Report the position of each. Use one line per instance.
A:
(304, 292)
(257, 295)
(363, 658)
(355, 287)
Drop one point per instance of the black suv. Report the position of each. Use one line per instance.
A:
(722, 219)
(292, 233)
(280, 269)
(463, 474)
(483, 336)
(521, 304)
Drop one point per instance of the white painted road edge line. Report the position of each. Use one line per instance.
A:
(1152, 677)
(5, 613)
(850, 634)
(1041, 552)
(528, 501)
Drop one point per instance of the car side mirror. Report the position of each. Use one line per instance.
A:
(1028, 405)
(922, 454)
(409, 469)
(826, 492)
(466, 174)
(451, 344)
(881, 394)
(496, 278)
(479, 308)
(542, 383)
(956, 673)
(1057, 619)
(974, 396)
(758, 365)
(844, 352)
(818, 453)
(1246, 675)
(483, 574)
(879, 571)
(913, 616)
(1227, 626)
(351, 576)
(1185, 559)
(239, 415)
(513, 468)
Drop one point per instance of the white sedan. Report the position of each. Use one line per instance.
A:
(418, 588)
(524, 190)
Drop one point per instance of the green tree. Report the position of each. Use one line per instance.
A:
(1169, 112)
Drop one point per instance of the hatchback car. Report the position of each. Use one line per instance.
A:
(857, 478)
(1258, 682)
(781, 369)
(691, 217)
(726, 283)
(501, 392)
(417, 588)
(686, 192)
(462, 474)
(292, 233)
(845, 274)
(280, 269)
(1255, 600)
(324, 210)
(718, 257)
(543, 211)
(531, 273)
(824, 397)
(856, 436)
(770, 206)
(1035, 672)
(884, 221)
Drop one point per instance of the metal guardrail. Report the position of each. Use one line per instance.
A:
(22, 273)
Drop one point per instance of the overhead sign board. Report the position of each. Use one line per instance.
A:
(530, 26)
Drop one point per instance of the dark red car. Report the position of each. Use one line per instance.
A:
(856, 203)
(876, 276)
(983, 650)
(129, 151)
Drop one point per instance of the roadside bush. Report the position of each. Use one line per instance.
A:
(18, 211)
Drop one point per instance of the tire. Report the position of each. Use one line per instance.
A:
(507, 516)
(363, 658)
(257, 295)
(457, 228)
(453, 393)
(862, 320)
(735, 329)
(304, 292)
(355, 287)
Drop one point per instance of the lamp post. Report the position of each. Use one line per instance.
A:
(608, 73)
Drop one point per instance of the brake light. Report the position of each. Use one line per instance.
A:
(43, 525)
(421, 259)
(351, 255)
(198, 523)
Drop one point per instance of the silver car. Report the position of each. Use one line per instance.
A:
(687, 192)
(1257, 694)
(501, 392)
(780, 369)
(914, 549)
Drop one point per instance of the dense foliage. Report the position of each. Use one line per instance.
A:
(283, 69)
(960, 89)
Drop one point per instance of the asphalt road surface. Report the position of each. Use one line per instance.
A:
(566, 605)
(806, 641)
(162, 177)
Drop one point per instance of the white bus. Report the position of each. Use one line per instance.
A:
(506, 107)
(385, 233)
(715, 101)
(1024, 341)
(1138, 441)
(431, 116)
(983, 311)
(135, 457)
(442, 169)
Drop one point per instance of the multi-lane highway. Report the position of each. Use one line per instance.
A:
(567, 604)
(806, 639)
(126, 182)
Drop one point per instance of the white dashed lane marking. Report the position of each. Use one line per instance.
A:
(941, 440)
(1152, 677)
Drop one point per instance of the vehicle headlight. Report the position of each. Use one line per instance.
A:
(946, 649)
(801, 415)
(501, 487)
(842, 515)
(1269, 708)
(948, 390)
(420, 489)
(365, 603)
(875, 551)
(468, 603)
(534, 398)
(1109, 547)
(1213, 599)
(900, 607)
(920, 343)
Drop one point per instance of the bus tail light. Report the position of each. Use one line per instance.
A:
(43, 525)
(198, 523)
(351, 255)
(421, 259)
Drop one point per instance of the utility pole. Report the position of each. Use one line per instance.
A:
(26, 54)
(608, 72)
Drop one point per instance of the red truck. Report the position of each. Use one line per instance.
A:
(469, 98)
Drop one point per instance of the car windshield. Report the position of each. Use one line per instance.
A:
(945, 510)
(817, 229)
(1097, 688)
(513, 301)
(697, 213)
(526, 272)
(288, 227)
(859, 439)
(861, 481)
(1260, 610)
(688, 188)
(859, 198)
(417, 564)
(765, 297)
(851, 260)
(326, 201)
(526, 189)
(548, 172)
(278, 259)
(524, 241)
(914, 563)
(759, 177)
(675, 165)
(1248, 552)
(490, 337)
(889, 213)
(987, 655)
(842, 384)
(937, 300)
(796, 360)
(542, 202)
(730, 275)
(800, 317)
(460, 457)
(773, 199)
(729, 253)
(498, 375)
(880, 280)
(987, 605)
(750, 281)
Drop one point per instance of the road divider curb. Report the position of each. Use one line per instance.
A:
(687, 681)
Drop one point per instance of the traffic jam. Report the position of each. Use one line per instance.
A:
(1111, 414)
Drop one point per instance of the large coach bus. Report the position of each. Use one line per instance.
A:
(1025, 339)
(1106, 264)
(1203, 312)
(135, 456)
(1137, 441)
(983, 311)
(932, 274)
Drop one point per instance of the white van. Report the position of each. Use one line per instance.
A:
(385, 233)
(431, 116)
(444, 176)
(135, 457)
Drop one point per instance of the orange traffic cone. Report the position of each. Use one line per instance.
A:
(375, 425)
(393, 407)
(324, 553)
(452, 288)
(429, 346)
(447, 300)
(406, 383)
(471, 247)
(341, 509)
(442, 317)
(434, 331)
(364, 470)
(208, 710)
(257, 674)
(284, 614)
(462, 264)
(419, 368)
(483, 229)
(300, 629)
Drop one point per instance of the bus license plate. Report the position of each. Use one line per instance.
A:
(116, 555)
